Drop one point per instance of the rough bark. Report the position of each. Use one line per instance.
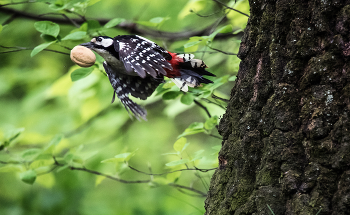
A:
(286, 132)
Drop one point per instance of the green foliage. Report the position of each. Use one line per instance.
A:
(114, 22)
(48, 28)
(81, 73)
(74, 139)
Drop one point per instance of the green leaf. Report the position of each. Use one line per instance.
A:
(81, 73)
(179, 144)
(197, 155)
(125, 156)
(93, 25)
(159, 20)
(171, 95)
(114, 22)
(28, 176)
(47, 27)
(111, 160)
(78, 35)
(154, 22)
(232, 78)
(11, 168)
(211, 122)
(217, 83)
(189, 44)
(62, 168)
(12, 135)
(55, 140)
(187, 98)
(196, 125)
(194, 128)
(223, 30)
(58, 5)
(39, 48)
(31, 154)
(178, 162)
(0, 28)
(48, 38)
(237, 31)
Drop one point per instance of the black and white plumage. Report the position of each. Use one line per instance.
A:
(136, 66)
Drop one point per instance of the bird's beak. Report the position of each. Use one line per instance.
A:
(88, 45)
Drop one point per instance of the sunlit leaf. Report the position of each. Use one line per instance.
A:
(99, 179)
(177, 162)
(11, 168)
(28, 176)
(81, 73)
(47, 27)
(0, 28)
(237, 31)
(78, 35)
(114, 22)
(179, 144)
(46, 180)
(194, 128)
(40, 47)
(125, 156)
(40, 163)
(232, 78)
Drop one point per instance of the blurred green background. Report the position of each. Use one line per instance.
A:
(44, 114)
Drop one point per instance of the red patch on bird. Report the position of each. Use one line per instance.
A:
(175, 60)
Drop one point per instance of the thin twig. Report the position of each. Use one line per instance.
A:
(192, 11)
(212, 135)
(203, 107)
(102, 174)
(218, 50)
(188, 188)
(25, 48)
(217, 97)
(164, 173)
(231, 8)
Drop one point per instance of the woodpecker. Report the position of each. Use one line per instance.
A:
(136, 66)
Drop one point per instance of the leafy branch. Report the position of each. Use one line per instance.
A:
(129, 26)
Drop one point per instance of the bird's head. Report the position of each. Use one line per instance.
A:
(100, 42)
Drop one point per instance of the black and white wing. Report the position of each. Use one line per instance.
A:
(142, 56)
(138, 87)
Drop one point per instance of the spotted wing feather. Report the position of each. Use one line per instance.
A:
(142, 56)
(121, 89)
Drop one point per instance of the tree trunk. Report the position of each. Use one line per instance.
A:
(286, 132)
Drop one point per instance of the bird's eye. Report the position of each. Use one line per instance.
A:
(98, 39)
